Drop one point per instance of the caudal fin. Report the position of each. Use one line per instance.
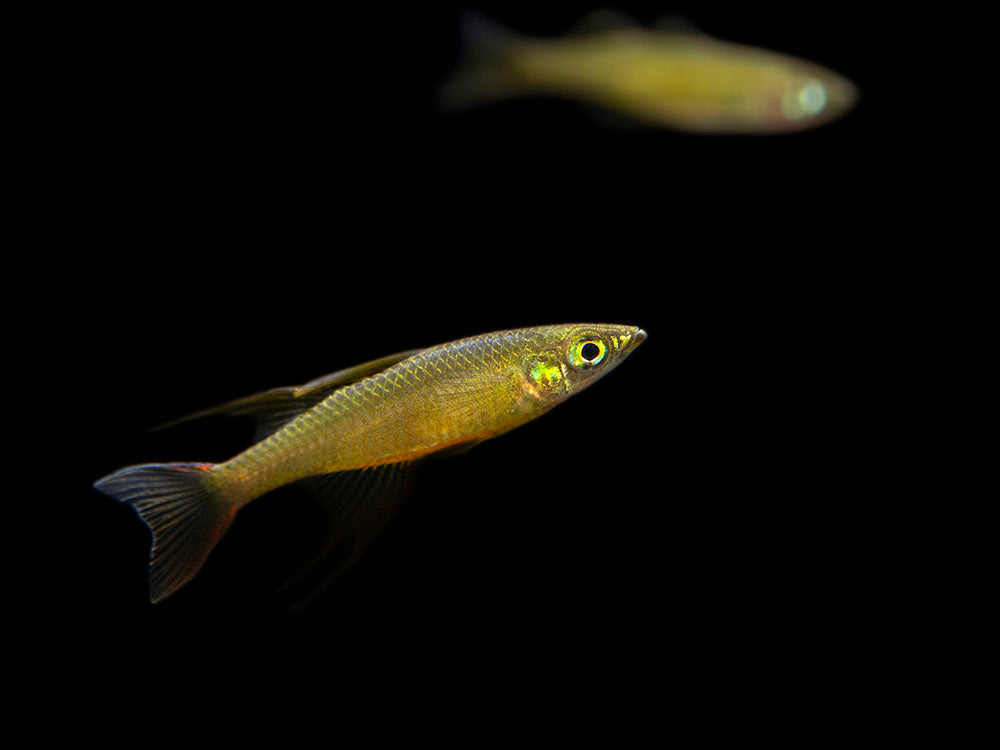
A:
(484, 73)
(186, 514)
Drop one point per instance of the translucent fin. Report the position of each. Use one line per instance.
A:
(186, 517)
(274, 408)
(482, 35)
(484, 73)
(459, 449)
(675, 24)
(358, 504)
(604, 19)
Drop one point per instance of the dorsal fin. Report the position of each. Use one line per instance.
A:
(604, 19)
(675, 24)
(275, 407)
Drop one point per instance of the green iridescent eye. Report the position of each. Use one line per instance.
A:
(587, 353)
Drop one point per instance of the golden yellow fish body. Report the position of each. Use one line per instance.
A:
(684, 80)
(418, 403)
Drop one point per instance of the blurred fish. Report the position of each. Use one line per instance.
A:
(681, 79)
(363, 429)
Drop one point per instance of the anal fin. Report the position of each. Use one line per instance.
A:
(358, 505)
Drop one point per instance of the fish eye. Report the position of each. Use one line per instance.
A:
(587, 353)
(805, 100)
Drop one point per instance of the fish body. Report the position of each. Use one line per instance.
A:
(377, 417)
(683, 80)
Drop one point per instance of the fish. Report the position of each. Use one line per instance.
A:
(672, 77)
(357, 434)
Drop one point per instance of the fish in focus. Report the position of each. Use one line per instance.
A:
(683, 80)
(358, 432)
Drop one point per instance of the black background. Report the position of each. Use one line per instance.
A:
(260, 197)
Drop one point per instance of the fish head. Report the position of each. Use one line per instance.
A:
(574, 356)
(807, 97)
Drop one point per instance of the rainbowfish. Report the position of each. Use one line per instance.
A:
(362, 430)
(679, 79)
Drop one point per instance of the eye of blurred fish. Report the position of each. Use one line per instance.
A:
(587, 353)
(804, 101)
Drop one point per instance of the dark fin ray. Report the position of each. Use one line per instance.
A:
(358, 505)
(186, 517)
(276, 407)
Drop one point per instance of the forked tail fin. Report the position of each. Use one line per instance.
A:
(484, 72)
(187, 514)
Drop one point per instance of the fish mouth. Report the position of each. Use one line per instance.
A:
(639, 337)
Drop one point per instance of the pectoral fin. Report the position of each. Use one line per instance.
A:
(275, 407)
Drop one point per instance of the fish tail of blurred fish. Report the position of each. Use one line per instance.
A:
(186, 508)
(484, 72)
